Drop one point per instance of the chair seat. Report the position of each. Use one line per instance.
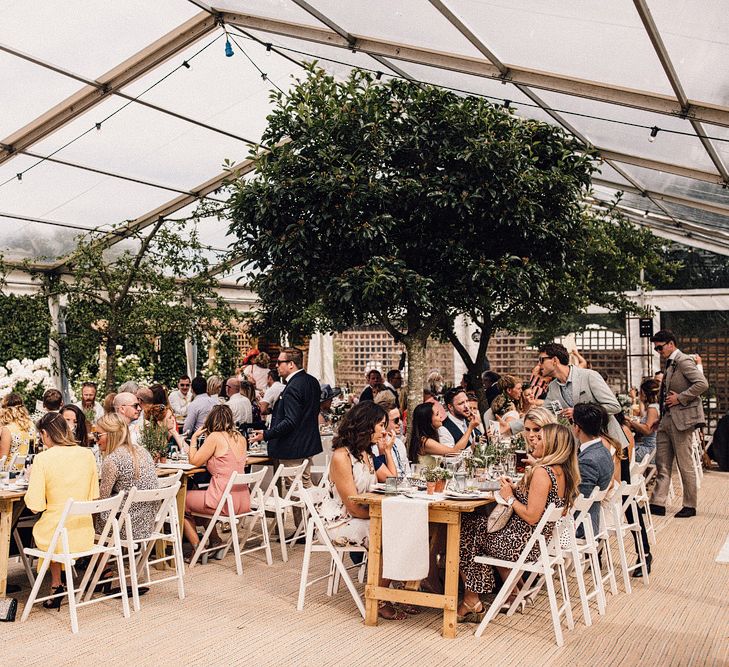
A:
(270, 503)
(39, 553)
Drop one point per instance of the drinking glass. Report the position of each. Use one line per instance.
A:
(415, 470)
(460, 480)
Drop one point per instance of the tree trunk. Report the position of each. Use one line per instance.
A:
(474, 366)
(110, 364)
(415, 347)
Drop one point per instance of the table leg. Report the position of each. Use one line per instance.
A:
(451, 577)
(374, 568)
(6, 521)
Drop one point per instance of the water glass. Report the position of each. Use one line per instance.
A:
(460, 479)
(415, 470)
(391, 485)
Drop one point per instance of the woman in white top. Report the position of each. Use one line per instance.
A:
(352, 472)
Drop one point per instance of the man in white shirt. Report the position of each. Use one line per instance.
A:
(460, 427)
(239, 404)
(127, 406)
(273, 391)
(88, 401)
(181, 397)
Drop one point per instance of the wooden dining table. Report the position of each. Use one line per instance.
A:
(446, 512)
(11, 505)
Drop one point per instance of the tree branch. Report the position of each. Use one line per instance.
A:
(138, 260)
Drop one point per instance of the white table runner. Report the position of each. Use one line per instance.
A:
(405, 543)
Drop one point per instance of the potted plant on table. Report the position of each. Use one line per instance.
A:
(443, 476)
(431, 475)
(155, 438)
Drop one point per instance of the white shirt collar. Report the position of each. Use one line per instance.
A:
(673, 355)
(462, 423)
(589, 443)
(569, 377)
(290, 375)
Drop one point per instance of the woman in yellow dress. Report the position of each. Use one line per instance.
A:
(65, 470)
(16, 428)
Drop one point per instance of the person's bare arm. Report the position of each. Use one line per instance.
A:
(340, 473)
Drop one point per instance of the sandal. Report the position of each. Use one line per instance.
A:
(390, 611)
(409, 608)
(474, 613)
(510, 601)
(55, 603)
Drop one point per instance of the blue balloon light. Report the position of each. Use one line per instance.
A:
(228, 49)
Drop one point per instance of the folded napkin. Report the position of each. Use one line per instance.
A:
(405, 545)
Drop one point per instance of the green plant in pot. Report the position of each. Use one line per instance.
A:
(431, 475)
(154, 438)
(443, 476)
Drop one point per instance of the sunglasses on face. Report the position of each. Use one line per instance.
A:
(282, 361)
(184, 385)
(543, 359)
(658, 348)
(396, 420)
(136, 406)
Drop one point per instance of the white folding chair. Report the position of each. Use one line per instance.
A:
(108, 543)
(230, 518)
(618, 525)
(322, 471)
(171, 480)
(273, 502)
(317, 540)
(639, 472)
(584, 551)
(547, 561)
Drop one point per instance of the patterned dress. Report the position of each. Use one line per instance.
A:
(117, 474)
(506, 544)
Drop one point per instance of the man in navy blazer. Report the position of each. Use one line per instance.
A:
(294, 433)
(594, 459)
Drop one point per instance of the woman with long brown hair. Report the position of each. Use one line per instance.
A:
(224, 452)
(553, 478)
(63, 471)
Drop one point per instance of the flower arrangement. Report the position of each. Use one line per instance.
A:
(27, 377)
(431, 473)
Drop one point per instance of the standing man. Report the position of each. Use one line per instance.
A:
(181, 398)
(394, 384)
(273, 391)
(88, 401)
(294, 433)
(572, 385)
(460, 427)
(681, 412)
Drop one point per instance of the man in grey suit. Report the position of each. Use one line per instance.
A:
(681, 413)
(571, 385)
(594, 459)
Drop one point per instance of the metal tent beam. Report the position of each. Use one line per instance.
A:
(90, 95)
(164, 210)
(644, 100)
(662, 52)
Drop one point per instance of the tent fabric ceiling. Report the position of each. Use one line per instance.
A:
(128, 111)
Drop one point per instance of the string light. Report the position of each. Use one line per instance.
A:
(186, 64)
(19, 176)
(98, 127)
(654, 133)
(228, 48)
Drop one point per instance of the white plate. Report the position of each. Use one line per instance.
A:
(420, 495)
(476, 495)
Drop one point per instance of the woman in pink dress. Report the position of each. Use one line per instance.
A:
(224, 452)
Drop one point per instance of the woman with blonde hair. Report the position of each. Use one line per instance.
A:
(65, 470)
(215, 382)
(125, 465)
(16, 428)
(553, 479)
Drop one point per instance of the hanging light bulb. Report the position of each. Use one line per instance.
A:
(19, 176)
(98, 127)
(268, 49)
(645, 215)
(507, 104)
(186, 64)
(654, 133)
(264, 76)
(378, 76)
(228, 48)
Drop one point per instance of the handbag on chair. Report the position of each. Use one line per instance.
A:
(8, 609)
(498, 518)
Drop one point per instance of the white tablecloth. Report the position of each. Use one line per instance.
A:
(405, 545)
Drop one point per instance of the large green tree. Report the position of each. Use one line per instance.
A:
(406, 205)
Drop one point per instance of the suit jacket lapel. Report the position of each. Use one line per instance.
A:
(577, 385)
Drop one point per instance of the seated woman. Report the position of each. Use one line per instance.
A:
(645, 429)
(63, 471)
(554, 478)
(77, 422)
(504, 407)
(351, 472)
(125, 465)
(16, 429)
(224, 452)
(160, 413)
(424, 442)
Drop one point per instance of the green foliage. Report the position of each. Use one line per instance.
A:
(25, 327)
(154, 438)
(403, 204)
(158, 285)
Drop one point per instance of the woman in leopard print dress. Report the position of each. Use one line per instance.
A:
(553, 478)
(125, 465)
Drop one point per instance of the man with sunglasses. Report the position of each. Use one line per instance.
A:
(127, 406)
(571, 385)
(180, 398)
(399, 451)
(681, 412)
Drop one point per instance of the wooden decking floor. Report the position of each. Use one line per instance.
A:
(681, 618)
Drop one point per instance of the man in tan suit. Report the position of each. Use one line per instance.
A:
(681, 413)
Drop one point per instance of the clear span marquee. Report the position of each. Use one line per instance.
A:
(125, 111)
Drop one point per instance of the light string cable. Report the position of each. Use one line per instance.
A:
(185, 64)
(503, 101)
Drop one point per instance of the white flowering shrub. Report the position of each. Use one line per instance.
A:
(128, 367)
(27, 377)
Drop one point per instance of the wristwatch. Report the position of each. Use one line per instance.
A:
(510, 501)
